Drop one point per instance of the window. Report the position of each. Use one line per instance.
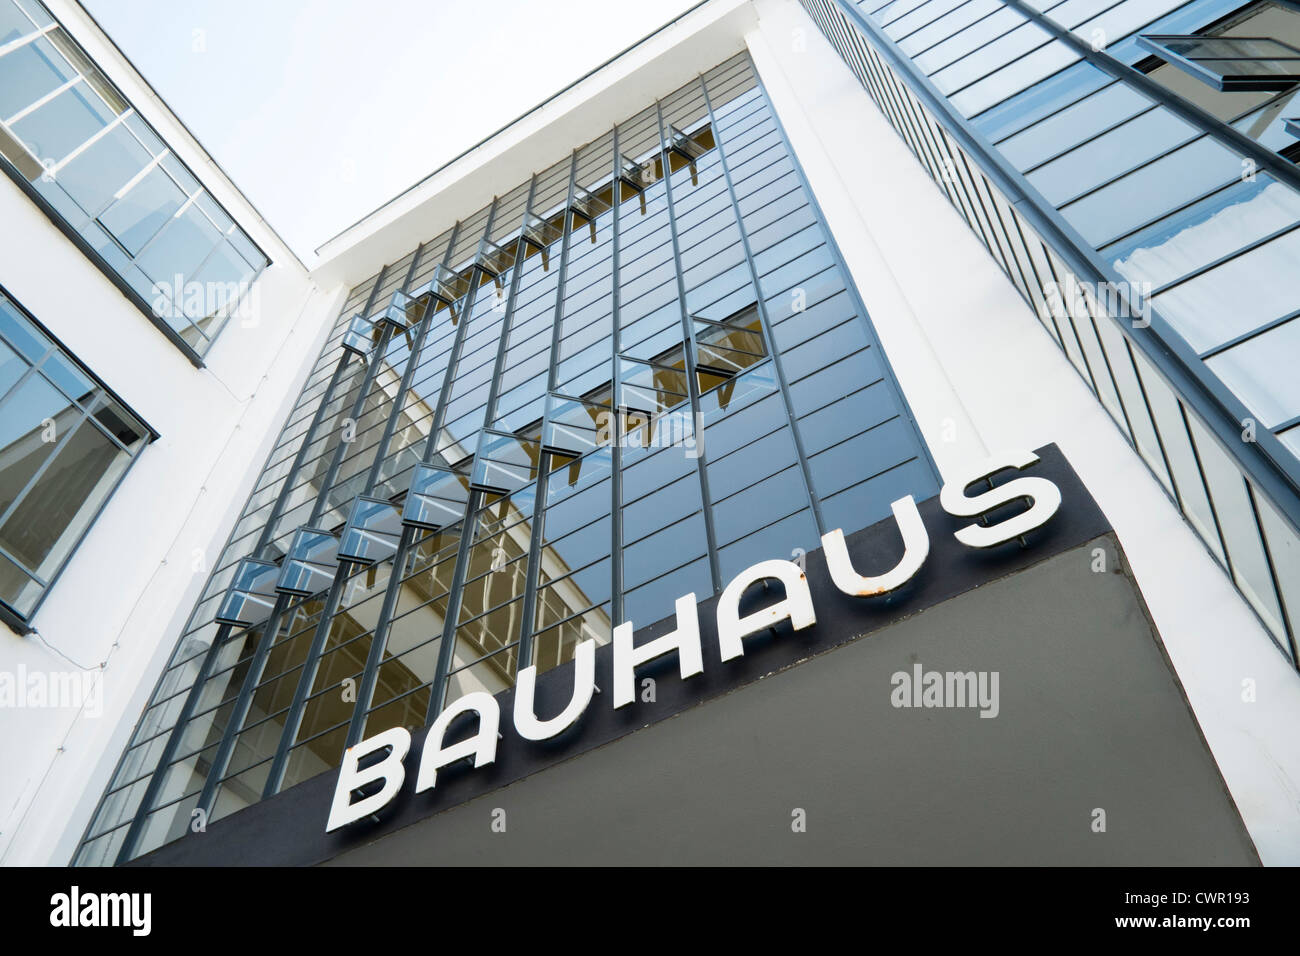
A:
(65, 443)
(76, 145)
(1243, 68)
(1230, 63)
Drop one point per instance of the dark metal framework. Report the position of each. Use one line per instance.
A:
(678, 261)
(1236, 488)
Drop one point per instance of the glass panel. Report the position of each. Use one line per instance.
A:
(63, 123)
(1236, 297)
(1109, 155)
(42, 528)
(372, 532)
(94, 176)
(1040, 100)
(1240, 531)
(1230, 219)
(311, 563)
(1262, 371)
(143, 210)
(1166, 183)
(252, 593)
(29, 73)
(1168, 414)
(1284, 551)
(1072, 125)
(181, 246)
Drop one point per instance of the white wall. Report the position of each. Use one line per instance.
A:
(971, 356)
(125, 594)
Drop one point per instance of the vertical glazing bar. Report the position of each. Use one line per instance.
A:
(412, 360)
(438, 689)
(268, 530)
(616, 430)
(688, 359)
(764, 320)
(529, 610)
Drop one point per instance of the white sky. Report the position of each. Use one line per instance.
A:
(321, 110)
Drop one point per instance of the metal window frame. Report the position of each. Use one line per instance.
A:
(1158, 44)
(18, 622)
(73, 233)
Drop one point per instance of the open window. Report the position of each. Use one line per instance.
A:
(373, 531)
(1243, 68)
(1230, 63)
(310, 564)
(251, 595)
(437, 498)
(505, 463)
(445, 287)
(587, 207)
(493, 259)
(725, 349)
(539, 234)
(683, 150)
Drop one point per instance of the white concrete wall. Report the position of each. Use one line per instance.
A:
(970, 355)
(126, 592)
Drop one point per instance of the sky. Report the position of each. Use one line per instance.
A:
(322, 110)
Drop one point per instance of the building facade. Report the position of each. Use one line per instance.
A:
(698, 311)
(1110, 171)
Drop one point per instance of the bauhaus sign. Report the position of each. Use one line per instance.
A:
(360, 791)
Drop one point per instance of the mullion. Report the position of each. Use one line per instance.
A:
(528, 605)
(689, 347)
(437, 693)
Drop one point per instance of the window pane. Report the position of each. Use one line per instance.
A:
(41, 530)
(28, 73)
(57, 465)
(1208, 230)
(58, 127)
(140, 213)
(1236, 297)
(1262, 371)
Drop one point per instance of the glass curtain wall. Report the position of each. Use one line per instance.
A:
(624, 380)
(1154, 241)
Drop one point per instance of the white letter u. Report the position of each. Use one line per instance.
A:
(916, 548)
